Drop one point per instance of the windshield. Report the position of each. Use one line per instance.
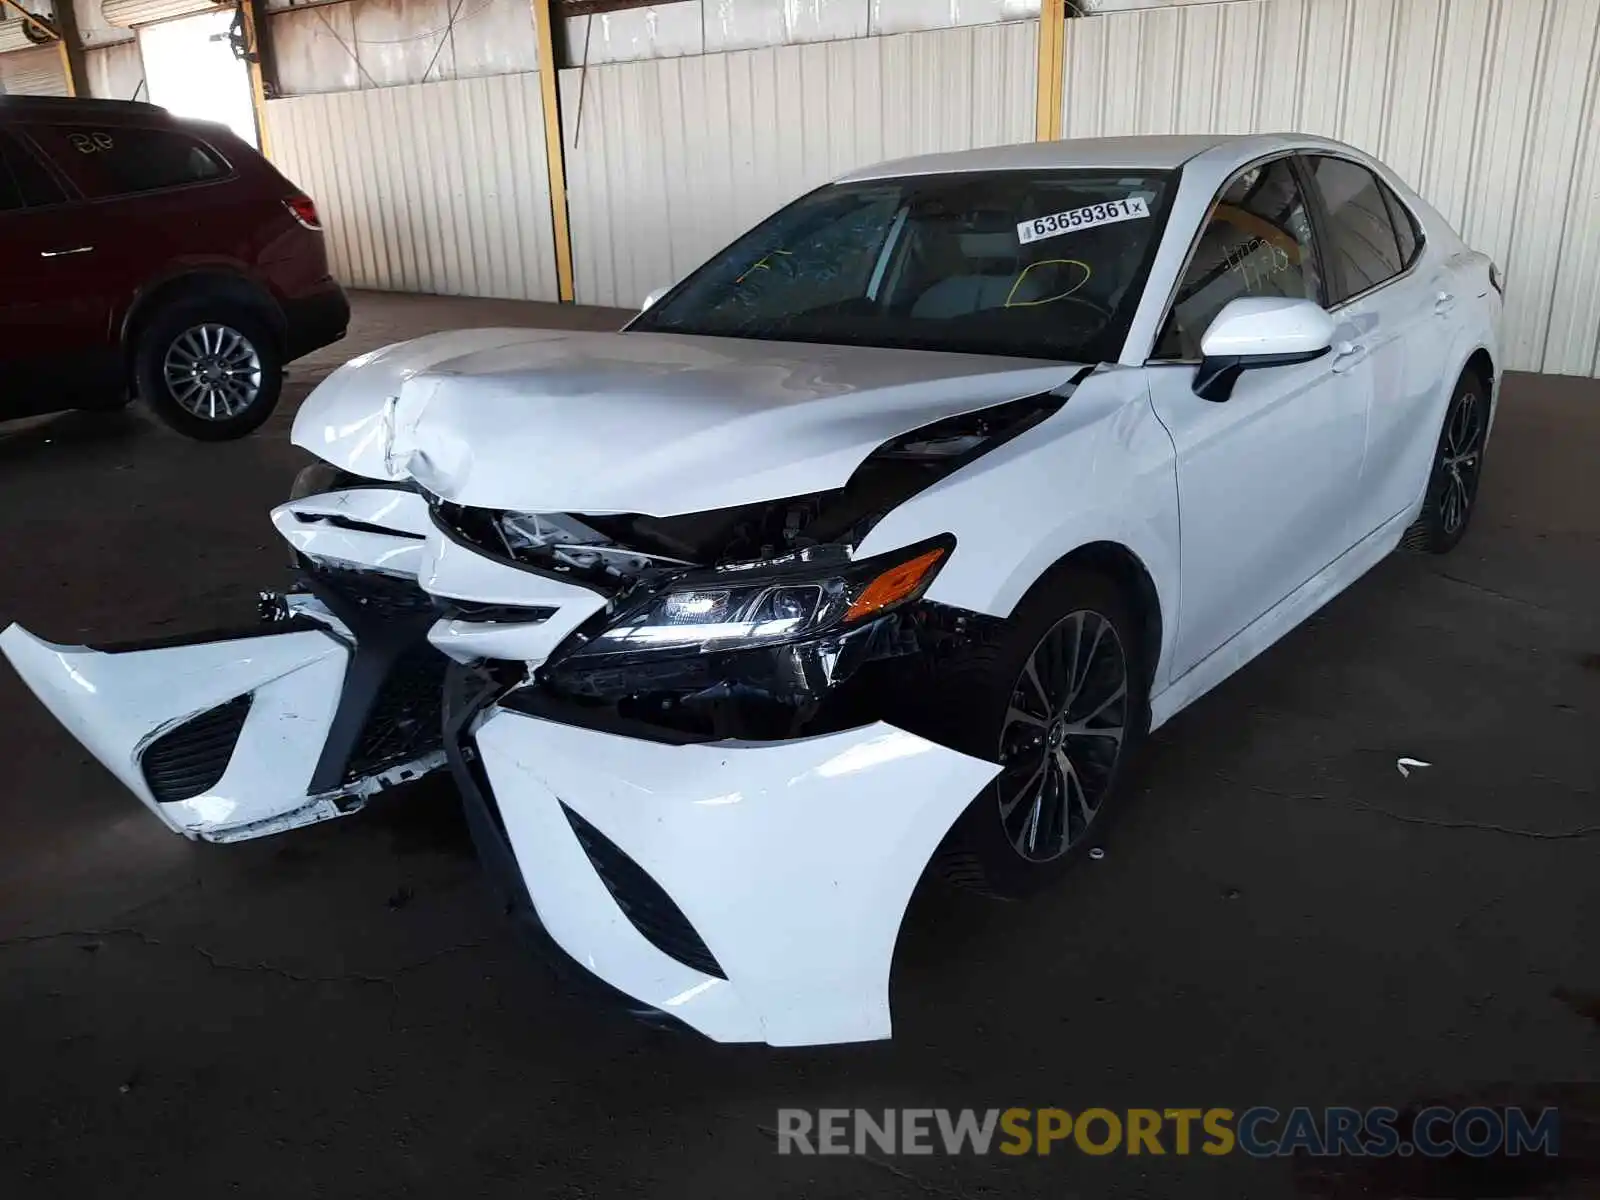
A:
(1045, 264)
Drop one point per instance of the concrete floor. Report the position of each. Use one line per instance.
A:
(1280, 918)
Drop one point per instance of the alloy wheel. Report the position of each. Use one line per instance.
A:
(1062, 736)
(213, 371)
(1460, 459)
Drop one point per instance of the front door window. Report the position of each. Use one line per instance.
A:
(1257, 242)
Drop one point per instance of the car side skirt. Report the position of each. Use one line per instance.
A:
(1278, 620)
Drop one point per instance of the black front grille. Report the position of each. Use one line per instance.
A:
(643, 901)
(389, 707)
(189, 760)
(405, 721)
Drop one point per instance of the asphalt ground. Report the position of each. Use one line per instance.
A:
(1279, 916)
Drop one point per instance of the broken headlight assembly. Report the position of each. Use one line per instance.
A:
(739, 606)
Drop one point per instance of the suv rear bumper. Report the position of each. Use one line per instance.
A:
(315, 320)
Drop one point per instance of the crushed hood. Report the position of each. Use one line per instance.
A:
(659, 424)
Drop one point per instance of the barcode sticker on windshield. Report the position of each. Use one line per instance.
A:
(1129, 209)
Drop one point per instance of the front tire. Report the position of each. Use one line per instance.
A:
(1060, 698)
(210, 369)
(1457, 469)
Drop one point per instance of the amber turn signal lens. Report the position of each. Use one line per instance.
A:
(894, 585)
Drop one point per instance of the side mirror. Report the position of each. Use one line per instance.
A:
(651, 300)
(1259, 331)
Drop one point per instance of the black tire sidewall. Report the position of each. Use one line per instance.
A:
(158, 334)
(976, 853)
(1439, 541)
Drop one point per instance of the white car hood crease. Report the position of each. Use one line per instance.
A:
(658, 424)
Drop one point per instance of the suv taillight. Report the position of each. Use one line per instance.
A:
(304, 210)
(1495, 278)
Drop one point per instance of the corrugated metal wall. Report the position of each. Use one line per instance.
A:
(93, 28)
(435, 187)
(380, 43)
(1487, 107)
(668, 159)
(128, 13)
(713, 26)
(322, 47)
(33, 72)
(116, 72)
(14, 34)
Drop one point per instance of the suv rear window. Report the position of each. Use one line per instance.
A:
(118, 161)
(24, 182)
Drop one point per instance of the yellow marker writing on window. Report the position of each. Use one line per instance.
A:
(762, 264)
(1013, 302)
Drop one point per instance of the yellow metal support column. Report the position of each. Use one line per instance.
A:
(554, 146)
(69, 44)
(1052, 48)
(66, 66)
(258, 83)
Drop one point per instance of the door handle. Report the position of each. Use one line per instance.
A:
(64, 253)
(1347, 355)
(1443, 303)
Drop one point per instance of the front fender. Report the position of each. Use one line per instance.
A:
(1099, 470)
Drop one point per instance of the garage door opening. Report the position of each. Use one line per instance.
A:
(193, 71)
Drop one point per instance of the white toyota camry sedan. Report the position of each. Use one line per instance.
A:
(878, 543)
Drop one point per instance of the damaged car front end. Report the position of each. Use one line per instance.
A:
(677, 606)
(673, 735)
(749, 622)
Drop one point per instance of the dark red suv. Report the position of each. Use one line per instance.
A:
(142, 254)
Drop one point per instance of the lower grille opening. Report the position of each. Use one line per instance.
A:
(389, 710)
(405, 722)
(190, 760)
(642, 900)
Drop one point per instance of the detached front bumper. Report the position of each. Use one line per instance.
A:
(228, 735)
(218, 738)
(752, 891)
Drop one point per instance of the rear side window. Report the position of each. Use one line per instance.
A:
(1365, 250)
(24, 183)
(117, 161)
(10, 191)
(1405, 228)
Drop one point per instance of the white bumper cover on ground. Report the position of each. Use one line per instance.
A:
(794, 862)
(116, 703)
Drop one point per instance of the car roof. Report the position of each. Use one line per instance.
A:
(72, 106)
(1157, 153)
(78, 108)
(119, 114)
